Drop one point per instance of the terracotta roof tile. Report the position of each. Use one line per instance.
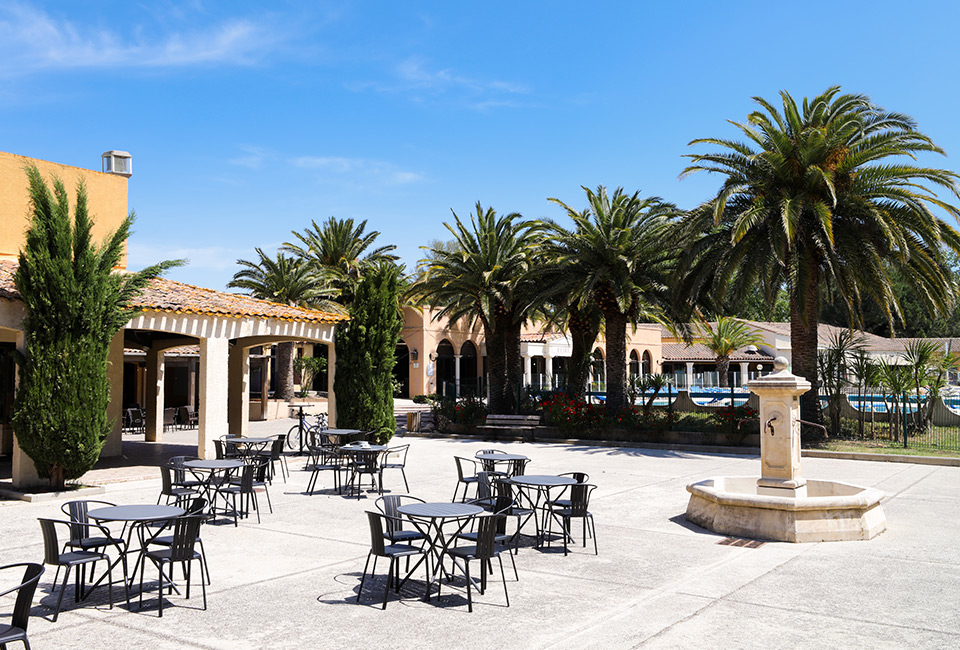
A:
(176, 297)
(540, 337)
(699, 352)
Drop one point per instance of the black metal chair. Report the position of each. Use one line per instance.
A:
(579, 503)
(517, 467)
(324, 458)
(365, 463)
(176, 463)
(563, 501)
(197, 508)
(275, 455)
(464, 479)
(186, 532)
(225, 451)
(261, 477)
(77, 512)
(17, 629)
(53, 557)
(187, 417)
(169, 418)
(498, 506)
(395, 531)
(242, 492)
(489, 464)
(392, 551)
(170, 490)
(484, 550)
(395, 458)
(484, 485)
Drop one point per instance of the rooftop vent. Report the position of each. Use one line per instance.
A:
(117, 162)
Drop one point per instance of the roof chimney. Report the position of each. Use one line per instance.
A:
(117, 162)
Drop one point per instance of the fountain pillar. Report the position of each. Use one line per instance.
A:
(779, 394)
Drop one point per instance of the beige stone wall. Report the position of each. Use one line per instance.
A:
(106, 198)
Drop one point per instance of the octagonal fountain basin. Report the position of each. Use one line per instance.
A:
(830, 511)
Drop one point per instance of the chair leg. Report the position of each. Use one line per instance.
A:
(514, 563)
(267, 492)
(386, 589)
(469, 585)
(364, 576)
(203, 587)
(160, 593)
(63, 589)
(593, 525)
(405, 484)
(504, 578)
(203, 564)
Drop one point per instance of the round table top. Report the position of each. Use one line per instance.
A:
(439, 510)
(499, 457)
(247, 441)
(352, 447)
(146, 512)
(543, 480)
(213, 464)
(341, 432)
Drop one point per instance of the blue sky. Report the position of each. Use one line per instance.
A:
(246, 120)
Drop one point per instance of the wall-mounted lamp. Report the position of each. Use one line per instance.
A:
(433, 356)
(414, 354)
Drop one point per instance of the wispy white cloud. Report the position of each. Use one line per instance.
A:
(361, 171)
(32, 39)
(415, 77)
(211, 258)
(251, 158)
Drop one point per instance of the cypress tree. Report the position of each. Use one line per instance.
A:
(366, 348)
(75, 304)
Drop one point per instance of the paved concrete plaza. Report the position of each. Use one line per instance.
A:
(658, 582)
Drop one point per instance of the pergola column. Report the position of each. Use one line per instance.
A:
(456, 374)
(689, 375)
(744, 373)
(527, 372)
(331, 376)
(214, 382)
(153, 427)
(238, 416)
(547, 369)
(23, 471)
(113, 446)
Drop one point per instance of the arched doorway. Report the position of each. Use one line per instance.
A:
(634, 364)
(446, 369)
(401, 371)
(597, 372)
(469, 382)
(646, 366)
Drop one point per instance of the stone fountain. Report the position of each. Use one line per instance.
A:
(780, 504)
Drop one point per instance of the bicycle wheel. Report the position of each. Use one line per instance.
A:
(293, 438)
(311, 436)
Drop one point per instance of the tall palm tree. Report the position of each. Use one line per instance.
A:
(339, 251)
(723, 338)
(820, 194)
(487, 276)
(289, 281)
(619, 256)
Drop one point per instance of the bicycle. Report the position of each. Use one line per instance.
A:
(303, 434)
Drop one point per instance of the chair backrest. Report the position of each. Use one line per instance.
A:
(388, 505)
(261, 469)
(183, 415)
(218, 446)
(375, 519)
(367, 461)
(246, 478)
(25, 591)
(579, 477)
(487, 530)
(276, 447)
(169, 416)
(396, 455)
(517, 467)
(488, 464)
(197, 506)
(186, 529)
(484, 488)
(166, 477)
(580, 499)
(460, 463)
(77, 511)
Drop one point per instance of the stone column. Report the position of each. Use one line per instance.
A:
(238, 398)
(264, 387)
(23, 471)
(331, 395)
(214, 380)
(154, 406)
(526, 370)
(779, 394)
(456, 374)
(689, 375)
(547, 369)
(113, 446)
(744, 373)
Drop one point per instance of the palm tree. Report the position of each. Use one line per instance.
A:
(812, 198)
(487, 276)
(726, 337)
(339, 251)
(289, 281)
(618, 256)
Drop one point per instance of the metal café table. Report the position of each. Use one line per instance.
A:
(249, 447)
(209, 483)
(540, 485)
(429, 519)
(489, 460)
(337, 436)
(136, 516)
(355, 449)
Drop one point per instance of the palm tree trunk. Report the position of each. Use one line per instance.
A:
(803, 343)
(496, 371)
(616, 360)
(583, 336)
(285, 370)
(513, 362)
(723, 368)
